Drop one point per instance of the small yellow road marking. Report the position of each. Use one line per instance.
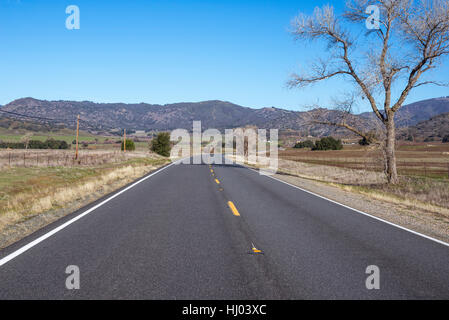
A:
(255, 250)
(216, 180)
(211, 170)
(233, 209)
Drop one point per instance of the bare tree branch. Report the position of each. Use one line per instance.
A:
(412, 38)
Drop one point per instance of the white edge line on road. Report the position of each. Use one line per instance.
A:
(358, 211)
(62, 226)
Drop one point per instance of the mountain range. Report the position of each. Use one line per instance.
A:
(110, 117)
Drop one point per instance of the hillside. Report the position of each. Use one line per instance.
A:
(433, 129)
(413, 113)
(109, 117)
(112, 117)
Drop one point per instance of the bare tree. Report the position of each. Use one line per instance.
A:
(411, 39)
(25, 139)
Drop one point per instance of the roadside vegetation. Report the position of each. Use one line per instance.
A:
(41, 181)
(130, 146)
(29, 191)
(36, 144)
(161, 144)
(326, 143)
(423, 172)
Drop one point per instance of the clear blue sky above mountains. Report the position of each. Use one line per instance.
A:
(162, 52)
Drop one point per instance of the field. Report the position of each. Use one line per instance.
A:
(413, 159)
(94, 142)
(39, 185)
(28, 191)
(423, 170)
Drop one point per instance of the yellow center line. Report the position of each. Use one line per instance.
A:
(233, 209)
(211, 170)
(255, 250)
(216, 180)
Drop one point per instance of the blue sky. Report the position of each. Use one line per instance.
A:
(162, 52)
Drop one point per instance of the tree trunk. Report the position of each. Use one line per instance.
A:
(392, 174)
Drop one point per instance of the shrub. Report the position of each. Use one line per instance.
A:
(445, 139)
(368, 139)
(364, 142)
(130, 146)
(328, 143)
(304, 144)
(161, 144)
(36, 144)
(12, 145)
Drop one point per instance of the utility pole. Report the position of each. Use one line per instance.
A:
(77, 135)
(124, 141)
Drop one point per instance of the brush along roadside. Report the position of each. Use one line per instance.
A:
(31, 198)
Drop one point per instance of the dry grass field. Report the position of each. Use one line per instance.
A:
(423, 169)
(52, 180)
(65, 158)
(413, 159)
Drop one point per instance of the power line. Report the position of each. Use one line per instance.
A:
(33, 117)
(102, 126)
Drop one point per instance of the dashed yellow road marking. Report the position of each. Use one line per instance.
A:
(233, 209)
(211, 170)
(255, 250)
(216, 180)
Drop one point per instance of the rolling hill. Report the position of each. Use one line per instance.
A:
(111, 117)
(433, 129)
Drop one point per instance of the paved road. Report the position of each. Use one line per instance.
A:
(174, 236)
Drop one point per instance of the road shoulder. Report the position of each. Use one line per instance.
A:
(435, 225)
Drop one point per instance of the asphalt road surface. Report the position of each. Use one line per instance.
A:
(222, 232)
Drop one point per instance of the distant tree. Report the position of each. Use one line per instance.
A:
(410, 137)
(445, 139)
(328, 143)
(368, 139)
(37, 144)
(406, 40)
(130, 146)
(161, 144)
(55, 144)
(364, 142)
(63, 145)
(304, 144)
(25, 139)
